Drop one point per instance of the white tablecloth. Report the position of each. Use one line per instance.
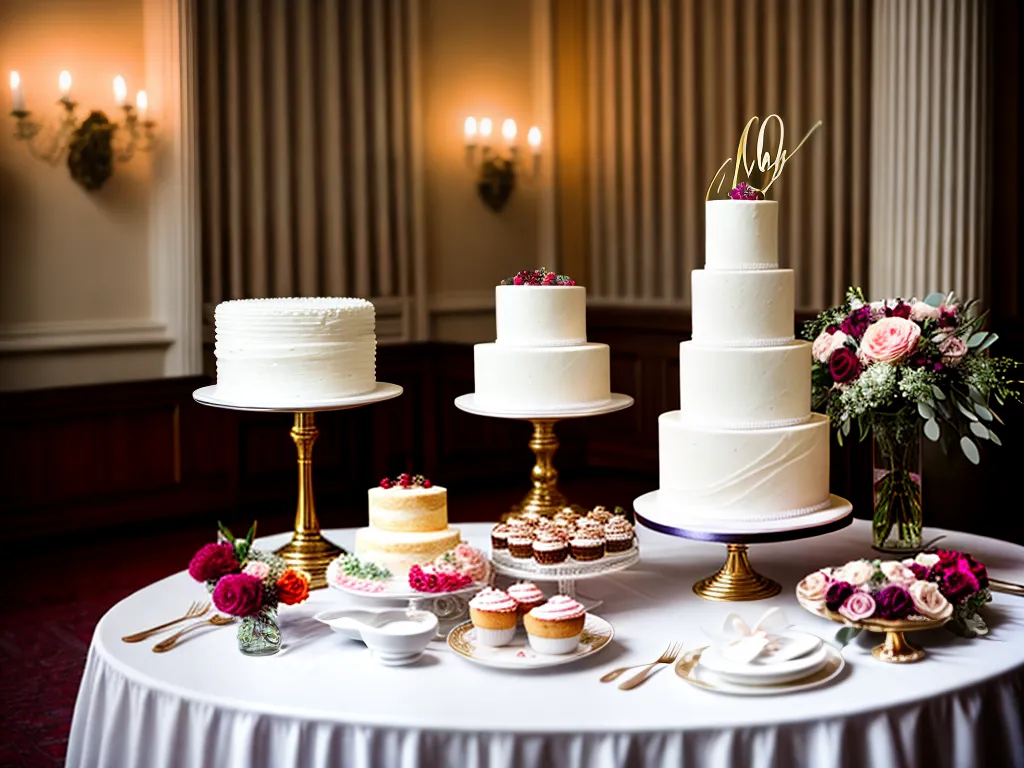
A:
(323, 701)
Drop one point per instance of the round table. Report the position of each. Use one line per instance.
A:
(323, 701)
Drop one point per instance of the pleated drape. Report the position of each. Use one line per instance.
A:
(309, 168)
(671, 84)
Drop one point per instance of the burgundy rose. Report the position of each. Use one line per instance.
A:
(900, 310)
(837, 593)
(957, 583)
(212, 562)
(977, 569)
(947, 317)
(894, 602)
(238, 594)
(919, 570)
(843, 365)
(857, 322)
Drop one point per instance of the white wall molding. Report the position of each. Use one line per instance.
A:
(544, 116)
(30, 338)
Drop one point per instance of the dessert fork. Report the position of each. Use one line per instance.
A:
(216, 620)
(671, 654)
(616, 673)
(194, 611)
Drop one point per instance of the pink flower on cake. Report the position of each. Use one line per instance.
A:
(813, 587)
(889, 340)
(858, 606)
(472, 562)
(828, 341)
(256, 568)
(929, 601)
(953, 350)
(920, 312)
(855, 572)
(897, 573)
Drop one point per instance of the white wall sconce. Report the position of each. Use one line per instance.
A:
(91, 145)
(496, 172)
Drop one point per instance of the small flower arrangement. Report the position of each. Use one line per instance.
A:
(451, 571)
(352, 573)
(744, 191)
(943, 584)
(538, 277)
(249, 583)
(909, 360)
(405, 480)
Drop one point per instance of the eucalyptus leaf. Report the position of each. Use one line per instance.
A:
(992, 339)
(938, 338)
(976, 339)
(982, 411)
(845, 635)
(939, 394)
(975, 393)
(926, 411)
(966, 411)
(934, 299)
(845, 429)
(932, 430)
(994, 438)
(970, 450)
(979, 430)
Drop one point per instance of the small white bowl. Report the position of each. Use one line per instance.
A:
(394, 636)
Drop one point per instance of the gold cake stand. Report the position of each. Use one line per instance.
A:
(544, 498)
(308, 550)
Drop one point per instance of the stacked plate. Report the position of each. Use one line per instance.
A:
(795, 661)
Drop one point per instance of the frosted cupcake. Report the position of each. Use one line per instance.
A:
(555, 627)
(587, 541)
(551, 546)
(499, 536)
(520, 542)
(601, 514)
(493, 614)
(618, 535)
(527, 595)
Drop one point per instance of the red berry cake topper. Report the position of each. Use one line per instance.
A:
(538, 277)
(405, 480)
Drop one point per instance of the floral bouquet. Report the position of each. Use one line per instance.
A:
(886, 368)
(249, 583)
(938, 585)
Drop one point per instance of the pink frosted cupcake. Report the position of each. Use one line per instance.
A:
(520, 542)
(527, 595)
(493, 614)
(551, 546)
(555, 627)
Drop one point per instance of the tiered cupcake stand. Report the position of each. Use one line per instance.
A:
(544, 498)
(736, 579)
(308, 550)
(565, 574)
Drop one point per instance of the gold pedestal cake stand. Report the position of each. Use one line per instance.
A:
(308, 550)
(544, 498)
(737, 580)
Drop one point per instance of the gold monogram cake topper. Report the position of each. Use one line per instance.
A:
(763, 160)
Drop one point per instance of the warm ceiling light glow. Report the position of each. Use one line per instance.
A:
(470, 128)
(65, 83)
(508, 130)
(485, 128)
(15, 80)
(142, 103)
(533, 138)
(120, 90)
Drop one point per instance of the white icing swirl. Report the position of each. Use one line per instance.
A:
(493, 600)
(558, 608)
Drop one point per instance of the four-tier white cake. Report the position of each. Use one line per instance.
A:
(744, 445)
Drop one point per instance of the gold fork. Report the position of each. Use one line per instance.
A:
(216, 620)
(615, 673)
(194, 611)
(670, 655)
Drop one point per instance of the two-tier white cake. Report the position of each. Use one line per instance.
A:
(744, 445)
(541, 360)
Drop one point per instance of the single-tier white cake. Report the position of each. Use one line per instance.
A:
(294, 350)
(744, 445)
(541, 360)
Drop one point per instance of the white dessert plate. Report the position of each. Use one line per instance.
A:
(383, 391)
(469, 404)
(763, 674)
(692, 671)
(597, 633)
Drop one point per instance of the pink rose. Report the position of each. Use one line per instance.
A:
(889, 340)
(858, 606)
(897, 573)
(953, 350)
(238, 594)
(813, 587)
(929, 601)
(920, 312)
(258, 569)
(828, 341)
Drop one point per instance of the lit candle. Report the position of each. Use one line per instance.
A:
(65, 84)
(142, 104)
(508, 130)
(120, 90)
(485, 130)
(533, 139)
(470, 131)
(17, 94)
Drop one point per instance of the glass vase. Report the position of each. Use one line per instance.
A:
(259, 635)
(896, 465)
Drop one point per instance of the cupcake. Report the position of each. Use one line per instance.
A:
(531, 517)
(499, 536)
(493, 614)
(587, 541)
(601, 514)
(527, 595)
(551, 546)
(618, 535)
(556, 626)
(520, 542)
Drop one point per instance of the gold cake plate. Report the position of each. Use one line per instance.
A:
(690, 670)
(894, 648)
(308, 550)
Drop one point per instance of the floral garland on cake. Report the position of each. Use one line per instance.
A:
(538, 277)
(405, 480)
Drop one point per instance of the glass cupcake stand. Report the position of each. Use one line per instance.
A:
(567, 573)
(736, 579)
(544, 498)
(308, 550)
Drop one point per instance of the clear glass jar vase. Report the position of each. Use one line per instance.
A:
(259, 635)
(896, 466)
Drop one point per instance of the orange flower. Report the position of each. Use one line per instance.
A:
(292, 587)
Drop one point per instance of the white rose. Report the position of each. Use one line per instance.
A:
(813, 587)
(929, 601)
(855, 572)
(927, 559)
(919, 311)
(897, 573)
(877, 309)
(826, 344)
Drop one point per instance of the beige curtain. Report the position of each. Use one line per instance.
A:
(309, 153)
(669, 86)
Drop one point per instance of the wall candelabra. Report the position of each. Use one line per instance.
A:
(497, 171)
